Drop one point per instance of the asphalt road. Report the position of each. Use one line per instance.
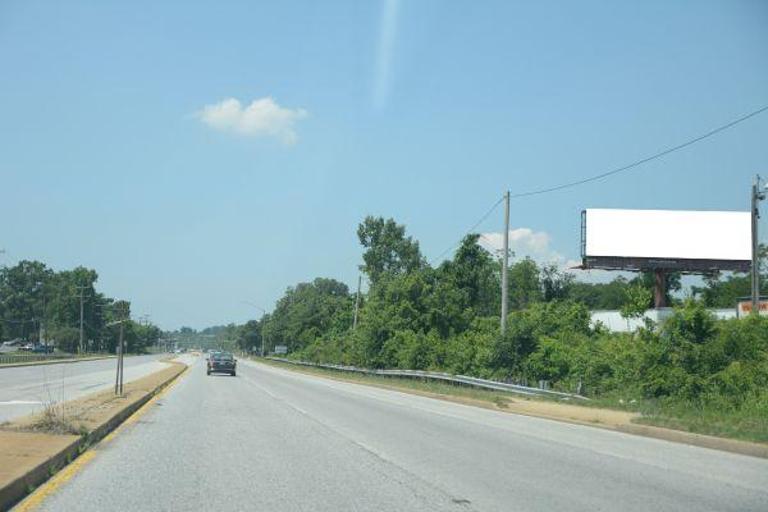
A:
(25, 389)
(274, 440)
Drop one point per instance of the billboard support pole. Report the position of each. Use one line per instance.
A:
(756, 197)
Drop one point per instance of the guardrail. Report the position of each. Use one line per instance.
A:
(447, 377)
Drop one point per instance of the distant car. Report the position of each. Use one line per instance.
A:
(42, 349)
(11, 345)
(222, 362)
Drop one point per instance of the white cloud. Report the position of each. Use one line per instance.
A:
(525, 242)
(385, 51)
(262, 118)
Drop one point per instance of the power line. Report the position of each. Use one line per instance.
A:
(470, 230)
(597, 177)
(643, 160)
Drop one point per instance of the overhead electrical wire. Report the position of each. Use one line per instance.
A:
(606, 174)
(470, 230)
(642, 160)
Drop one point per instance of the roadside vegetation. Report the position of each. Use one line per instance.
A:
(691, 372)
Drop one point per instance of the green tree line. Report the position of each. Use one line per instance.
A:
(40, 305)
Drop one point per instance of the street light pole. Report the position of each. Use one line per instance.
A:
(265, 314)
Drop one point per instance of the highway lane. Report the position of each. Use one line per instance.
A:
(275, 440)
(25, 389)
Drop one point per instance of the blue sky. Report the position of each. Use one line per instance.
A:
(422, 110)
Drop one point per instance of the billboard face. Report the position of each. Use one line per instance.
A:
(671, 235)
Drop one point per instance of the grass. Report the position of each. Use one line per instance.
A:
(744, 423)
(31, 357)
(749, 422)
(55, 419)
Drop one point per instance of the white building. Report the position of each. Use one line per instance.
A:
(613, 320)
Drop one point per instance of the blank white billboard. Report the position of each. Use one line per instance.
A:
(669, 234)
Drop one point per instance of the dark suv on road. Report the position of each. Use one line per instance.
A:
(222, 362)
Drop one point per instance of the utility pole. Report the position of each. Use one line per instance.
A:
(263, 337)
(120, 352)
(119, 375)
(357, 301)
(82, 292)
(757, 196)
(505, 266)
(42, 321)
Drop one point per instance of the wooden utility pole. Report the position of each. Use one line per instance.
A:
(357, 302)
(80, 346)
(504, 267)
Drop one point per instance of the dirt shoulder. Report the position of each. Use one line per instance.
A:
(622, 421)
(35, 447)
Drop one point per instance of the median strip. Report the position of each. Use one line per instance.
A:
(61, 360)
(35, 447)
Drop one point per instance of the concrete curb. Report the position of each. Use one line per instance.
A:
(55, 361)
(16, 490)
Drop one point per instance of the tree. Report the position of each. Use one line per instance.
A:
(610, 295)
(23, 290)
(638, 298)
(398, 303)
(473, 271)
(726, 291)
(249, 336)
(648, 281)
(64, 303)
(309, 311)
(556, 283)
(524, 284)
(387, 249)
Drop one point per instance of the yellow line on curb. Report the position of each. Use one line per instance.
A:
(39, 495)
(35, 499)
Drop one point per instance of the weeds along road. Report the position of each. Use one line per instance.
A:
(273, 440)
(25, 389)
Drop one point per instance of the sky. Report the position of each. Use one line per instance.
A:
(202, 156)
